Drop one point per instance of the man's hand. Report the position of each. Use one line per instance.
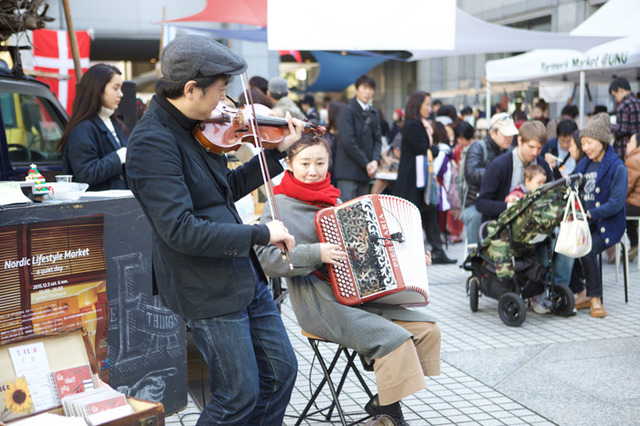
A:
(551, 160)
(279, 235)
(295, 132)
(372, 168)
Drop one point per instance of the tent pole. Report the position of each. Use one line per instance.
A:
(488, 102)
(582, 84)
(73, 41)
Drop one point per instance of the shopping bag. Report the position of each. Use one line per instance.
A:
(574, 238)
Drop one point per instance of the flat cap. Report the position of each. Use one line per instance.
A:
(278, 86)
(191, 56)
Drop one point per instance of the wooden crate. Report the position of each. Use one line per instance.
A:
(71, 349)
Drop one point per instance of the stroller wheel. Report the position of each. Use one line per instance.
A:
(512, 309)
(473, 292)
(562, 302)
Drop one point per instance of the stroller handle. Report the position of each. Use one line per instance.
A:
(567, 180)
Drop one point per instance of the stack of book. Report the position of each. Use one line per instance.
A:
(97, 406)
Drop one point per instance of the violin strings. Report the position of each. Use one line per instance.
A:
(266, 178)
(263, 159)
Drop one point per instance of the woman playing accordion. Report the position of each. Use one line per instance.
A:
(404, 345)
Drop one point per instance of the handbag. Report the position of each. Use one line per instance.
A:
(431, 193)
(574, 238)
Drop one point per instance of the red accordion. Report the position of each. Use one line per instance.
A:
(382, 236)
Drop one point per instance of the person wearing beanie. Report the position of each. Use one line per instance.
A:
(604, 196)
(204, 265)
(278, 91)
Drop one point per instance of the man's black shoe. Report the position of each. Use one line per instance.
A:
(394, 411)
(442, 259)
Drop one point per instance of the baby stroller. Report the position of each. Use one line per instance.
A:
(505, 266)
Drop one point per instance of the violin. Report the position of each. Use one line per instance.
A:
(229, 127)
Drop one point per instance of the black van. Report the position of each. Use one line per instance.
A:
(31, 125)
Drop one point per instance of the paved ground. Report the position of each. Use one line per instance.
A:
(551, 370)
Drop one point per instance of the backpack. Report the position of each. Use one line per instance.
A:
(461, 180)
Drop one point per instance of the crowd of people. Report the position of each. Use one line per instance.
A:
(209, 267)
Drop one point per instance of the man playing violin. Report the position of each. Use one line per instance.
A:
(205, 268)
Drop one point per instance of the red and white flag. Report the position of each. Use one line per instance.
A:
(52, 56)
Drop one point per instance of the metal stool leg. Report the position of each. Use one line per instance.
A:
(325, 380)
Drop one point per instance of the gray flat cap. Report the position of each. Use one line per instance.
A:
(191, 56)
(278, 86)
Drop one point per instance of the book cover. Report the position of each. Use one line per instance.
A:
(15, 399)
(73, 380)
(105, 404)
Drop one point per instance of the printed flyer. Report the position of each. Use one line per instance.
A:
(53, 278)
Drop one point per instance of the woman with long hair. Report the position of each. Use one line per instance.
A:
(416, 141)
(94, 142)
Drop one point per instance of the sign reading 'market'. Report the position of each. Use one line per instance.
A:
(53, 278)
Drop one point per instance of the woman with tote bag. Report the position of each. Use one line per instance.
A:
(604, 195)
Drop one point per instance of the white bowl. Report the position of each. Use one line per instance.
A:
(68, 190)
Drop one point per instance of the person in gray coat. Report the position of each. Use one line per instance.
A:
(404, 344)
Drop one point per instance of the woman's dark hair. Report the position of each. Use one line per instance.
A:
(88, 100)
(257, 96)
(449, 111)
(259, 83)
(439, 133)
(415, 101)
(333, 111)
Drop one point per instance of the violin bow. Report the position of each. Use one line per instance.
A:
(266, 177)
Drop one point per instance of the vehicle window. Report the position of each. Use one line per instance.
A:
(32, 127)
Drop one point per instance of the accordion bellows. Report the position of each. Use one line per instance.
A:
(382, 236)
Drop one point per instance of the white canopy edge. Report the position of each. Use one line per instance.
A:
(618, 57)
(475, 36)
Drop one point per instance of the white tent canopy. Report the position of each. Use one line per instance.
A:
(404, 26)
(618, 57)
(475, 36)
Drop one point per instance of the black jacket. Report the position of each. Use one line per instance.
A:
(359, 142)
(475, 166)
(202, 252)
(90, 155)
(496, 184)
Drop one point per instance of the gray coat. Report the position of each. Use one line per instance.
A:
(365, 328)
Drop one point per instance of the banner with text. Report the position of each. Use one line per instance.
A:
(53, 278)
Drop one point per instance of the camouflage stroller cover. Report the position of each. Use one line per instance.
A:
(527, 222)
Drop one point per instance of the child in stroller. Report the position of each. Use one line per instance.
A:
(505, 265)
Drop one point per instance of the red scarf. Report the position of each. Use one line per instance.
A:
(321, 194)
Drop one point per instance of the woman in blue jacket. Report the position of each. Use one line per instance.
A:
(94, 142)
(604, 195)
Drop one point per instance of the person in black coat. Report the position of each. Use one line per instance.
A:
(416, 142)
(203, 261)
(359, 142)
(94, 143)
